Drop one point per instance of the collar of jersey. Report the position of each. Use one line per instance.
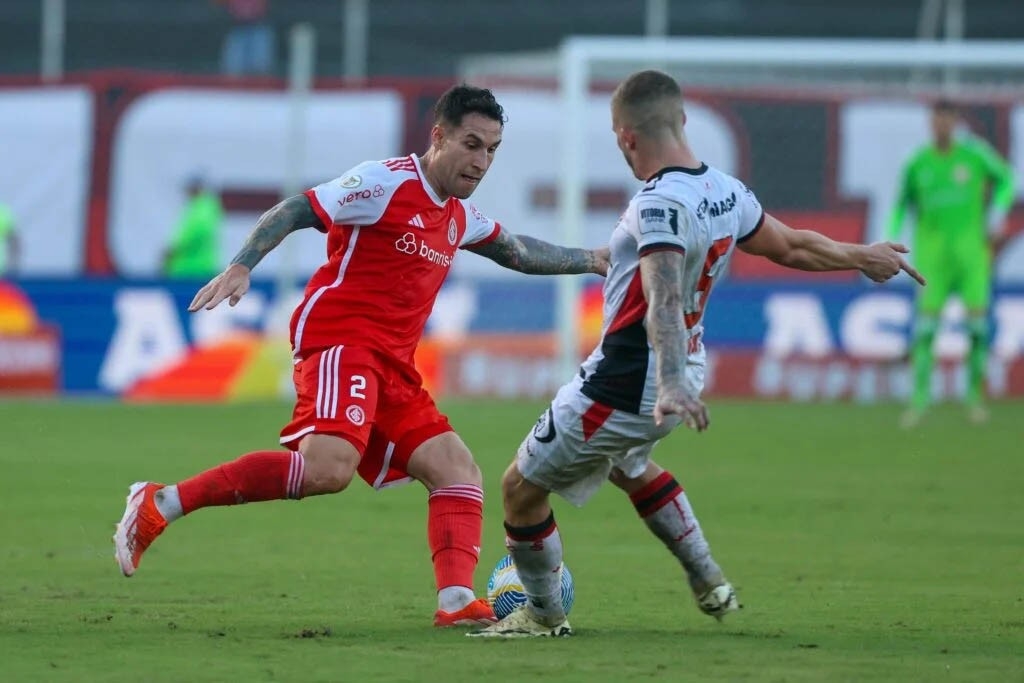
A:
(680, 169)
(423, 181)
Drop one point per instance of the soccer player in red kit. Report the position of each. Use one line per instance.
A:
(393, 228)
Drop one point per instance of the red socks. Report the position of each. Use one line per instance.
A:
(454, 527)
(263, 475)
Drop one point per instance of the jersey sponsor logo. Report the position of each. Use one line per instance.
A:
(355, 415)
(416, 222)
(476, 213)
(453, 232)
(658, 219)
(351, 182)
(408, 244)
(377, 191)
(716, 207)
(653, 215)
(961, 174)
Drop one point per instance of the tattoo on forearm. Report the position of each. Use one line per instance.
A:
(537, 257)
(662, 274)
(292, 214)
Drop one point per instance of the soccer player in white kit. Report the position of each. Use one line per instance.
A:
(646, 375)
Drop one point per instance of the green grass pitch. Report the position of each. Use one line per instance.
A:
(860, 552)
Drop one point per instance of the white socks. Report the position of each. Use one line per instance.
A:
(454, 598)
(168, 503)
(537, 552)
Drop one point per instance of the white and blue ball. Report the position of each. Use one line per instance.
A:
(505, 589)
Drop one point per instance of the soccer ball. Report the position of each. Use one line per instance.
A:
(505, 590)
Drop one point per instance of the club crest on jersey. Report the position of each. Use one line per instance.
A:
(453, 232)
(352, 181)
(355, 415)
(544, 430)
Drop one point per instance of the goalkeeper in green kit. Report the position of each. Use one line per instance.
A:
(960, 191)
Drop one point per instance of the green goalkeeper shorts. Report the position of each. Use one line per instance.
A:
(970, 278)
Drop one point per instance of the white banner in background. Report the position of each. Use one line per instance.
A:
(44, 173)
(528, 163)
(237, 140)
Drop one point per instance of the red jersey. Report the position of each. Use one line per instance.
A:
(390, 245)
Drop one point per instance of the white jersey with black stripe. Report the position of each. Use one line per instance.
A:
(702, 213)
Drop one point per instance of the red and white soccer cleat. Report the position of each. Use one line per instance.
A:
(476, 613)
(139, 526)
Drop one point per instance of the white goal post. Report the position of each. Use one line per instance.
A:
(904, 67)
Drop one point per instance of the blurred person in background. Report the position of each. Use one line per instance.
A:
(960, 191)
(249, 44)
(9, 245)
(194, 251)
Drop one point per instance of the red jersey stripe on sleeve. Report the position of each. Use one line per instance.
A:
(325, 220)
(490, 238)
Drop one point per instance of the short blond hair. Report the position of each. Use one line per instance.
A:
(651, 102)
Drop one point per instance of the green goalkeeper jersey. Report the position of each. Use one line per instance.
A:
(948, 191)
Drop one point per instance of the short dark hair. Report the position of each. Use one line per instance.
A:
(945, 105)
(463, 99)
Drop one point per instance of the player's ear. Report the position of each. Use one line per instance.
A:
(629, 137)
(437, 135)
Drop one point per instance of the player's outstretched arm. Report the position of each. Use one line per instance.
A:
(809, 250)
(537, 257)
(273, 226)
(661, 274)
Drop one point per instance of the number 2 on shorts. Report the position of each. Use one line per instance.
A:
(358, 384)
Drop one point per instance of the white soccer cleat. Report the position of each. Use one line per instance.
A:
(521, 623)
(719, 601)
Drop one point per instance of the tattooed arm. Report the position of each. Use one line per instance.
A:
(537, 257)
(286, 217)
(273, 226)
(661, 274)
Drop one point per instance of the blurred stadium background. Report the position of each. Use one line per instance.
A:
(108, 108)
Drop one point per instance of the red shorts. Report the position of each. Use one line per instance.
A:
(384, 412)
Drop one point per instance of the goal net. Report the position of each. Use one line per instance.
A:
(816, 127)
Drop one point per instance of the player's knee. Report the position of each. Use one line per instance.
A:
(444, 461)
(329, 465)
(335, 478)
(632, 484)
(977, 327)
(519, 495)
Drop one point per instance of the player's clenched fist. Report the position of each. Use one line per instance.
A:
(678, 401)
(883, 261)
(232, 285)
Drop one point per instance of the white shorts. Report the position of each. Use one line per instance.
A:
(576, 442)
